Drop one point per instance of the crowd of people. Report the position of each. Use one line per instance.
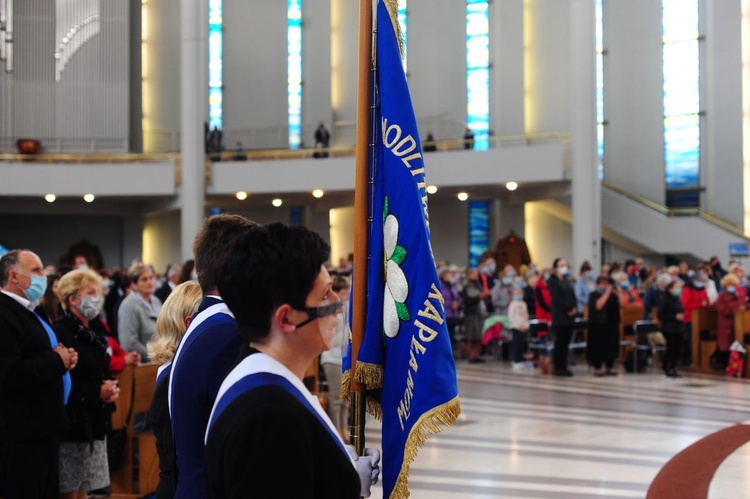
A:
(233, 332)
(557, 300)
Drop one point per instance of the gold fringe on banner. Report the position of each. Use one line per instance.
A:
(392, 6)
(370, 375)
(429, 424)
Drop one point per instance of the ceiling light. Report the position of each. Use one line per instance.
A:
(89, 198)
(277, 202)
(318, 193)
(431, 189)
(511, 186)
(242, 195)
(462, 196)
(50, 198)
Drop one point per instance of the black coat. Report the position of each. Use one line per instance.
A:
(88, 416)
(267, 431)
(31, 387)
(563, 300)
(668, 309)
(158, 417)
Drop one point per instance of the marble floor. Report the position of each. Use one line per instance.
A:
(522, 434)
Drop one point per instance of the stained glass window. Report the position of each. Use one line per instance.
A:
(215, 64)
(479, 230)
(681, 66)
(294, 71)
(599, 15)
(478, 71)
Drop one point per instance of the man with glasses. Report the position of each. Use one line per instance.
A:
(274, 281)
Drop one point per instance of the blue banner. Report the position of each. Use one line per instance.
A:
(406, 360)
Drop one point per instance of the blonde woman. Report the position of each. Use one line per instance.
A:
(83, 452)
(171, 324)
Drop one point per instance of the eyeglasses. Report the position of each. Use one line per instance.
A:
(320, 312)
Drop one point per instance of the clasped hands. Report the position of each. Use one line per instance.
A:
(367, 466)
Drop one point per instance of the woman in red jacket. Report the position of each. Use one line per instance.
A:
(543, 301)
(694, 296)
(727, 304)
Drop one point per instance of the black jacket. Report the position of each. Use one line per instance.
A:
(88, 416)
(668, 309)
(31, 387)
(563, 300)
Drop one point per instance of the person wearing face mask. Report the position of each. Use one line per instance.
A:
(487, 277)
(604, 328)
(728, 304)
(585, 284)
(451, 300)
(626, 293)
(671, 314)
(564, 311)
(83, 452)
(34, 382)
(694, 296)
(264, 417)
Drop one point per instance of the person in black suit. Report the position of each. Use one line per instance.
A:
(34, 380)
(264, 417)
(173, 279)
(564, 311)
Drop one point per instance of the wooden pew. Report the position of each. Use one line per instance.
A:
(704, 326)
(742, 334)
(628, 316)
(143, 379)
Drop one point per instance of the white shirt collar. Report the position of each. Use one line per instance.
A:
(20, 299)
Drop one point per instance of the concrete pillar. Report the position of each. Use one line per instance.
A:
(586, 189)
(193, 100)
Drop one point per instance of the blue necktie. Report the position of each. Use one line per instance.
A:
(67, 383)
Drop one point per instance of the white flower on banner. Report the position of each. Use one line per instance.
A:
(396, 286)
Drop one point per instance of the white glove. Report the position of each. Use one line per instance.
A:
(368, 467)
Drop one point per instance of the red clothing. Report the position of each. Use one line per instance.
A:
(543, 300)
(693, 299)
(726, 305)
(116, 355)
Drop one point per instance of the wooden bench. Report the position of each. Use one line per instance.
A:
(628, 316)
(742, 334)
(143, 379)
(704, 327)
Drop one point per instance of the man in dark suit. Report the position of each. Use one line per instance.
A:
(33, 382)
(564, 311)
(173, 276)
(207, 352)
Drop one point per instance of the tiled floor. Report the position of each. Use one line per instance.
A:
(525, 435)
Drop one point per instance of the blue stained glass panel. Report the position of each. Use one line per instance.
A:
(215, 64)
(479, 230)
(478, 71)
(294, 72)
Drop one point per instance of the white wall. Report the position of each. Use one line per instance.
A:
(547, 66)
(161, 84)
(316, 67)
(721, 164)
(633, 95)
(161, 236)
(437, 65)
(507, 73)
(547, 236)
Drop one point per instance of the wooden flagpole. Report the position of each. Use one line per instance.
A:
(361, 213)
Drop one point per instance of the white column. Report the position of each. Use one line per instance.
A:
(586, 190)
(193, 99)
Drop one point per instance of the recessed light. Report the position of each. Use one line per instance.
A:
(50, 198)
(318, 193)
(431, 189)
(242, 195)
(462, 196)
(277, 202)
(511, 186)
(89, 198)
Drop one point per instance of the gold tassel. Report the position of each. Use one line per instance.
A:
(370, 375)
(345, 390)
(392, 6)
(429, 424)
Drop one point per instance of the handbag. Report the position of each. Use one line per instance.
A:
(116, 438)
